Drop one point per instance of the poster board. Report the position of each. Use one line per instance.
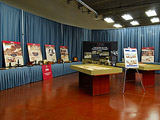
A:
(12, 53)
(147, 54)
(131, 59)
(34, 51)
(50, 53)
(100, 52)
(64, 53)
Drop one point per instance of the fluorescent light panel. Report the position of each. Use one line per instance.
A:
(155, 20)
(151, 13)
(127, 17)
(117, 25)
(109, 20)
(134, 23)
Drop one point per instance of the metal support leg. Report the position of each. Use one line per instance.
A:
(140, 80)
(124, 81)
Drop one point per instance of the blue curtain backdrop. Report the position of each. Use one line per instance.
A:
(10, 26)
(137, 37)
(43, 31)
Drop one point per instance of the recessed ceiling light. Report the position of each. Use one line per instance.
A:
(151, 13)
(134, 23)
(155, 20)
(117, 25)
(127, 17)
(109, 20)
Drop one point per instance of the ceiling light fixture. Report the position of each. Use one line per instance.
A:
(117, 25)
(151, 13)
(134, 23)
(155, 20)
(109, 20)
(127, 17)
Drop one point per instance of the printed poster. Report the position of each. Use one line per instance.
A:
(148, 54)
(12, 53)
(64, 53)
(131, 59)
(50, 53)
(47, 72)
(34, 51)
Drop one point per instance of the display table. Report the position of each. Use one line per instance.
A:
(10, 78)
(95, 77)
(147, 71)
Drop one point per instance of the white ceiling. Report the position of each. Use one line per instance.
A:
(60, 11)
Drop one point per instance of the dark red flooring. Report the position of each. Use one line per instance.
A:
(62, 99)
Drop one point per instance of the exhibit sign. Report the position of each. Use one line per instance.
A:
(12, 53)
(50, 53)
(147, 54)
(64, 53)
(131, 59)
(47, 72)
(34, 51)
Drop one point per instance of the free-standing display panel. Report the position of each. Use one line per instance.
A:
(12, 53)
(64, 53)
(50, 53)
(100, 52)
(34, 51)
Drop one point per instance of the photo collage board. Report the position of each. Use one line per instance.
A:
(147, 54)
(100, 52)
(64, 53)
(50, 53)
(34, 51)
(12, 53)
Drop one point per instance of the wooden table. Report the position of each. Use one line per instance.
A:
(95, 77)
(147, 72)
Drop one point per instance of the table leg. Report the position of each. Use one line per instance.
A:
(148, 78)
(97, 85)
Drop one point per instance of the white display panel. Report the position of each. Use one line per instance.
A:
(131, 59)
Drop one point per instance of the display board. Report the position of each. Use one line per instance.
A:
(131, 59)
(34, 51)
(50, 53)
(148, 54)
(64, 53)
(101, 52)
(12, 53)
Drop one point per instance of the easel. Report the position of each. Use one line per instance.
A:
(125, 73)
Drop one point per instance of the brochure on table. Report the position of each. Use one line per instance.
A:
(34, 51)
(12, 53)
(50, 53)
(148, 54)
(64, 53)
(131, 59)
